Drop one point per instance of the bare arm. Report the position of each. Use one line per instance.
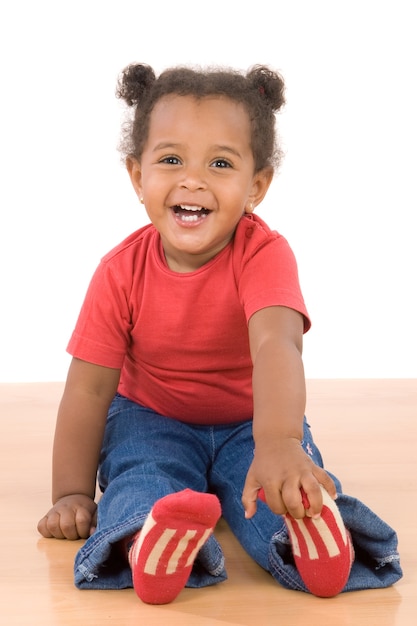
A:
(280, 465)
(79, 432)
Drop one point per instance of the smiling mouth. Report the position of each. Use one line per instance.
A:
(188, 213)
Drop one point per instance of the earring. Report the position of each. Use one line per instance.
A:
(141, 200)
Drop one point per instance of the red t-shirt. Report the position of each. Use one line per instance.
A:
(181, 340)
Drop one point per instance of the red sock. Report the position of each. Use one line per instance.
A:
(322, 548)
(163, 552)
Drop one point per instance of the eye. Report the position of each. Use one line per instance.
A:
(221, 163)
(171, 160)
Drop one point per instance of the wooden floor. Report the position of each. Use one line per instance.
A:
(367, 433)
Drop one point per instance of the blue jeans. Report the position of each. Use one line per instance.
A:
(146, 456)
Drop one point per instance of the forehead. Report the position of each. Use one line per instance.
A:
(209, 113)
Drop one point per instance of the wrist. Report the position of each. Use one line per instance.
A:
(276, 438)
(79, 497)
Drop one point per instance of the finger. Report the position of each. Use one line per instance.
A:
(312, 498)
(262, 497)
(292, 499)
(68, 525)
(313, 486)
(83, 523)
(249, 498)
(249, 505)
(328, 484)
(93, 526)
(50, 526)
(43, 528)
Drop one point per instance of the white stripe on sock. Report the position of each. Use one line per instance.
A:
(327, 536)
(294, 539)
(179, 551)
(134, 551)
(331, 504)
(201, 542)
(156, 552)
(311, 546)
(159, 547)
(324, 532)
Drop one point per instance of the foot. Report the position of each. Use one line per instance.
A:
(163, 552)
(322, 549)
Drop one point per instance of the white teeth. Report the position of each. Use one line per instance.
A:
(190, 213)
(192, 218)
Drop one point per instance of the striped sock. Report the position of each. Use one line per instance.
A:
(322, 549)
(163, 552)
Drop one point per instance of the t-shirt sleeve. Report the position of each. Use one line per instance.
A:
(269, 277)
(101, 335)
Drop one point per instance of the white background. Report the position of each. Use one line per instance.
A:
(345, 196)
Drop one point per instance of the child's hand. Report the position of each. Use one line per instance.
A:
(282, 470)
(72, 517)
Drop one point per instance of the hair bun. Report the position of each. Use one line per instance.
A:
(269, 85)
(134, 82)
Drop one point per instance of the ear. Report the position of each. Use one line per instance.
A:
(135, 173)
(260, 186)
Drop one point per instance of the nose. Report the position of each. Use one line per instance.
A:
(193, 178)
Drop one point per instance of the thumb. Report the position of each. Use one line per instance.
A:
(93, 526)
(250, 497)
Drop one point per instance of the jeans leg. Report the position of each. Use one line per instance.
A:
(234, 455)
(145, 456)
(314, 453)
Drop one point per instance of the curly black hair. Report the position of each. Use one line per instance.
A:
(260, 91)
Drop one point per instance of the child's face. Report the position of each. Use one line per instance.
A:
(196, 176)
